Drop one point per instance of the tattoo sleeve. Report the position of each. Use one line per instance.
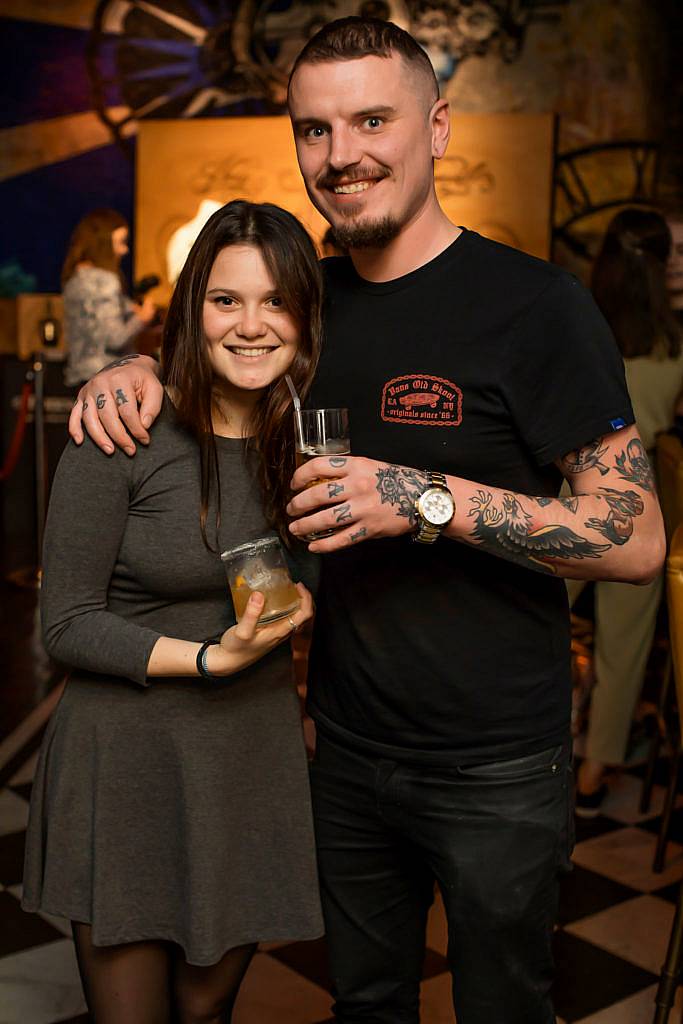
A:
(123, 361)
(633, 465)
(400, 487)
(506, 530)
(617, 526)
(586, 458)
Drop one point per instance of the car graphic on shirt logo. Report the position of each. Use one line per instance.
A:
(411, 401)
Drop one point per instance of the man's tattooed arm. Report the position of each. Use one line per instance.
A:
(123, 361)
(586, 458)
(503, 527)
(400, 486)
(633, 465)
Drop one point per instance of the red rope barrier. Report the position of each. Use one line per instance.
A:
(14, 449)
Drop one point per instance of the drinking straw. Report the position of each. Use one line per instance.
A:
(298, 422)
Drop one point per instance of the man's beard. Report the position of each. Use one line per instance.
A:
(368, 234)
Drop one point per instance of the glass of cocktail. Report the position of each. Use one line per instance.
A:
(260, 565)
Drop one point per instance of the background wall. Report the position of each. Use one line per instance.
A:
(82, 74)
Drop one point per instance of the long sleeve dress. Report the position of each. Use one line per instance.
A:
(163, 808)
(98, 322)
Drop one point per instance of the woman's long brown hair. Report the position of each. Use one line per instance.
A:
(292, 261)
(629, 284)
(90, 242)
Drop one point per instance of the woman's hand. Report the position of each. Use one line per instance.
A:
(245, 643)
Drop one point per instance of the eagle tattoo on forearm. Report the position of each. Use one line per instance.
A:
(507, 531)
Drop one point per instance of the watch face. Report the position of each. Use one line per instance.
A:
(436, 507)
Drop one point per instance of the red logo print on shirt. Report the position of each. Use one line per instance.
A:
(420, 398)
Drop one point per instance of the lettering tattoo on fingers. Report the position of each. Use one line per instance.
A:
(358, 535)
(85, 406)
(337, 462)
(334, 488)
(100, 400)
(120, 397)
(633, 465)
(342, 513)
(586, 458)
(400, 486)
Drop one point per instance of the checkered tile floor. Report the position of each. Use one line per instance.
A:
(615, 918)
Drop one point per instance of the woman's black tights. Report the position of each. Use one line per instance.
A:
(150, 982)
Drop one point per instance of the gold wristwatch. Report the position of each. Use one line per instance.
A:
(434, 509)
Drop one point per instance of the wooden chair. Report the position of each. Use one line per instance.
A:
(670, 488)
(668, 980)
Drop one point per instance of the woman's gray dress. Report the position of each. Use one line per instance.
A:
(176, 808)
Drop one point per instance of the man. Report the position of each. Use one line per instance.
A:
(439, 677)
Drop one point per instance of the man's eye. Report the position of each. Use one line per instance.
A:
(374, 122)
(316, 132)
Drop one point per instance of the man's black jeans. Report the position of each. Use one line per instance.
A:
(495, 838)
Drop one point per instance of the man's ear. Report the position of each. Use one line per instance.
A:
(440, 122)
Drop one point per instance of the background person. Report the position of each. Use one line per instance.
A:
(99, 320)
(440, 675)
(629, 284)
(170, 814)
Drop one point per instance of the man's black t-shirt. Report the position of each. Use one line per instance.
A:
(487, 364)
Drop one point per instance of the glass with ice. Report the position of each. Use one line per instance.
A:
(260, 565)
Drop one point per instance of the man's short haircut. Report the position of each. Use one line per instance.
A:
(353, 37)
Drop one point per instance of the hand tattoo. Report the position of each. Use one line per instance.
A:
(123, 361)
(618, 524)
(633, 465)
(343, 513)
(334, 488)
(586, 458)
(120, 397)
(507, 532)
(337, 462)
(100, 400)
(358, 535)
(85, 406)
(400, 486)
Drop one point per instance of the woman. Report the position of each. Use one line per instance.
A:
(629, 285)
(99, 321)
(170, 816)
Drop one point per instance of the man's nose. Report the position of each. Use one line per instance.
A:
(345, 150)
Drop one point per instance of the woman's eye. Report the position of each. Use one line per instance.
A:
(276, 301)
(224, 301)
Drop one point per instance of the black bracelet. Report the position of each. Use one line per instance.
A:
(201, 662)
